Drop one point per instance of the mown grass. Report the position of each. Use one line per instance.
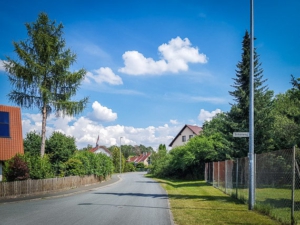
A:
(279, 202)
(274, 202)
(196, 202)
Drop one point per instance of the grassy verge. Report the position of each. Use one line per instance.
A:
(195, 202)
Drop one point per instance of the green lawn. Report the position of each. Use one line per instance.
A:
(196, 202)
(279, 200)
(275, 201)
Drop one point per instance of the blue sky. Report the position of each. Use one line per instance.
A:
(153, 66)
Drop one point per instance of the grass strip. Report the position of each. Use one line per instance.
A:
(196, 202)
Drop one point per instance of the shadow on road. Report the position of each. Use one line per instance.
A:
(122, 206)
(162, 196)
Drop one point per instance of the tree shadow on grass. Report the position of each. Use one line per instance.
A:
(280, 203)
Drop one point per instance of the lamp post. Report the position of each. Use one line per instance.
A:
(120, 154)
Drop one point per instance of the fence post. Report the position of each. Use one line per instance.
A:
(226, 176)
(205, 172)
(237, 178)
(293, 187)
(213, 173)
(218, 173)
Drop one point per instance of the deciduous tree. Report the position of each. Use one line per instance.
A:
(60, 147)
(32, 143)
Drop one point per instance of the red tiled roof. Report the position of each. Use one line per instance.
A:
(195, 129)
(140, 158)
(102, 147)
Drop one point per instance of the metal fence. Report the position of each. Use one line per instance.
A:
(277, 182)
(29, 187)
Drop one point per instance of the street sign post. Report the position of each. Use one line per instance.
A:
(240, 134)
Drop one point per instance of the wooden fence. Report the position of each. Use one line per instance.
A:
(29, 187)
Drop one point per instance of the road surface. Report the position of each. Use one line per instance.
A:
(134, 200)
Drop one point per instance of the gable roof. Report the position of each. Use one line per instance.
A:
(195, 129)
(140, 158)
(100, 147)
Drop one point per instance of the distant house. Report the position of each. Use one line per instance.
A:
(11, 139)
(186, 133)
(144, 158)
(101, 149)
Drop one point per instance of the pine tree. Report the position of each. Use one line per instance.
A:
(239, 113)
(40, 78)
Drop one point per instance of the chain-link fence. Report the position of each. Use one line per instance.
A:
(277, 182)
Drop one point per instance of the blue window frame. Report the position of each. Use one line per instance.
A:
(4, 124)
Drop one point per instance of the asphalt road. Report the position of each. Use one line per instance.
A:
(134, 200)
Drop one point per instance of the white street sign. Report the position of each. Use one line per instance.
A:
(240, 134)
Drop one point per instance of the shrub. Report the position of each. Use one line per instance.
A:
(60, 147)
(129, 167)
(39, 167)
(16, 169)
(74, 167)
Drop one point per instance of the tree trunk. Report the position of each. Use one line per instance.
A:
(44, 114)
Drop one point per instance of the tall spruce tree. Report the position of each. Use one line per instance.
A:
(40, 78)
(239, 113)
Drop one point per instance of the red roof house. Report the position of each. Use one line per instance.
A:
(143, 158)
(101, 149)
(11, 138)
(186, 133)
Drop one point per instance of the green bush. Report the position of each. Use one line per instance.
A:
(32, 143)
(129, 167)
(39, 167)
(60, 147)
(74, 167)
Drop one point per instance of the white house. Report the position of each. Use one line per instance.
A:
(186, 133)
(101, 149)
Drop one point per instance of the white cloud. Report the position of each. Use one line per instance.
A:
(175, 57)
(86, 131)
(206, 115)
(101, 113)
(103, 75)
(173, 121)
(2, 65)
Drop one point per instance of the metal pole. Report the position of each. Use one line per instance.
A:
(293, 187)
(120, 155)
(251, 112)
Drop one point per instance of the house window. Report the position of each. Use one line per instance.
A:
(190, 136)
(183, 139)
(4, 124)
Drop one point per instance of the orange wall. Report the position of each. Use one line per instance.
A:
(10, 146)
